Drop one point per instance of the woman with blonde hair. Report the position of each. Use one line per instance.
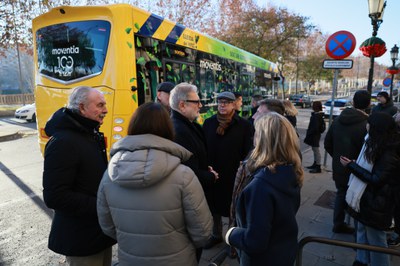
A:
(290, 112)
(266, 207)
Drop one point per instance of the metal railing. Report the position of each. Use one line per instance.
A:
(333, 242)
(10, 99)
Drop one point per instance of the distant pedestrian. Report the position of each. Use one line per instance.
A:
(229, 140)
(266, 232)
(373, 186)
(345, 137)
(163, 91)
(75, 159)
(148, 200)
(238, 102)
(385, 104)
(291, 112)
(269, 105)
(255, 99)
(315, 128)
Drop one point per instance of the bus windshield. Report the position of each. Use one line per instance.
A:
(72, 51)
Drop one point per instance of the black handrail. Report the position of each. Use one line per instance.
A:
(340, 243)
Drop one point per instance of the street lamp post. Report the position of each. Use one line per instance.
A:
(394, 54)
(376, 8)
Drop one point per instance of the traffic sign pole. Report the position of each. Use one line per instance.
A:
(334, 89)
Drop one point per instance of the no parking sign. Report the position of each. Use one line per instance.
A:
(340, 44)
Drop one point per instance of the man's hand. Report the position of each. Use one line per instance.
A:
(216, 176)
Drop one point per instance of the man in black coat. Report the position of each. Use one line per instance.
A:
(74, 162)
(345, 137)
(185, 105)
(229, 140)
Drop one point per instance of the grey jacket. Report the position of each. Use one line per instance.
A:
(152, 204)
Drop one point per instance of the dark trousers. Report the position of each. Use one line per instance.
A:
(217, 227)
(340, 204)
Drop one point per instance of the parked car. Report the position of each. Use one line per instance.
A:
(27, 112)
(302, 100)
(338, 106)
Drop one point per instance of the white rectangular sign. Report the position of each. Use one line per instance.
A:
(337, 64)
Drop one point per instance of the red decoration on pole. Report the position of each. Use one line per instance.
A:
(373, 46)
(392, 70)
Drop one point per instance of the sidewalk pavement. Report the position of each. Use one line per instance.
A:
(314, 218)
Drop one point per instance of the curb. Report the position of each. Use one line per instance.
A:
(17, 135)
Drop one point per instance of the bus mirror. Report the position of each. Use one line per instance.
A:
(133, 88)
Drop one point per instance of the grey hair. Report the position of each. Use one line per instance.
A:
(180, 93)
(78, 96)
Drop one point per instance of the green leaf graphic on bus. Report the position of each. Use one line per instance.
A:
(129, 44)
(183, 67)
(141, 61)
(155, 45)
(197, 38)
(167, 50)
(169, 67)
(134, 97)
(128, 30)
(159, 64)
(138, 42)
(137, 26)
(132, 79)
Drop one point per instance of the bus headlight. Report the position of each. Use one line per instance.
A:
(117, 136)
(117, 128)
(118, 120)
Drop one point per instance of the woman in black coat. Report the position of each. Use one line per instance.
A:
(315, 128)
(377, 167)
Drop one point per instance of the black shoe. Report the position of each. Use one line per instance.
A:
(312, 166)
(316, 169)
(212, 241)
(357, 263)
(343, 229)
(394, 242)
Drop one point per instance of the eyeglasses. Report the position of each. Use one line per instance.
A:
(224, 102)
(198, 102)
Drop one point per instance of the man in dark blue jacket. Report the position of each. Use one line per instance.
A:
(74, 162)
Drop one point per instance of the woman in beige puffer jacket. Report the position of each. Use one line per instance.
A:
(149, 201)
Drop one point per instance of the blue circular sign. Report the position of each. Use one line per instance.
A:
(386, 82)
(340, 44)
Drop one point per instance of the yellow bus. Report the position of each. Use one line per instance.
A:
(125, 52)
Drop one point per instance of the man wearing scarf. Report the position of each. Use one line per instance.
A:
(229, 140)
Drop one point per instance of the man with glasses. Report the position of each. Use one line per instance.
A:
(229, 139)
(185, 105)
